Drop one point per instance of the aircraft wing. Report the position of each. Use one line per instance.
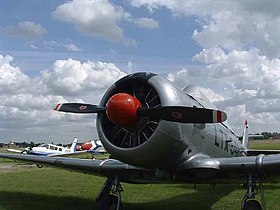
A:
(254, 152)
(76, 153)
(107, 167)
(68, 154)
(197, 169)
(14, 150)
(263, 166)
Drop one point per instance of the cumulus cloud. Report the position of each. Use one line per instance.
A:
(228, 24)
(72, 77)
(93, 18)
(26, 103)
(148, 23)
(247, 70)
(11, 78)
(26, 29)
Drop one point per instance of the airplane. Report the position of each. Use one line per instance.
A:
(94, 146)
(48, 150)
(156, 132)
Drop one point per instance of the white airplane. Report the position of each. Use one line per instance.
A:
(156, 132)
(48, 150)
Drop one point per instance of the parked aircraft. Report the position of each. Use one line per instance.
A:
(94, 146)
(48, 150)
(156, 132)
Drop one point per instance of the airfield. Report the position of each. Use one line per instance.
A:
(28, 187)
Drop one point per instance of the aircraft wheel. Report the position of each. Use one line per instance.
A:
(39, 166)
(109, 202)
(252, 205)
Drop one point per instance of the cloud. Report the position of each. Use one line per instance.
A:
(68, 45)
(93, 18)
(180, 78)
(72, 77)
(26, 103)
(34, 47)
(247, 70)
(72, 47)
(148, 23)
(12, 80)
(26, 29)
(228, 24)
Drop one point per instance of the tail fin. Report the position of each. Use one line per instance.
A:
(245, 138)
(74, 145)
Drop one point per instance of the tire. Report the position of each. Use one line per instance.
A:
(252, 205)
(109, 202)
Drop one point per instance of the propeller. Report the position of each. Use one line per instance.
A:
(125, 110)
(184, 114)
(79, 108)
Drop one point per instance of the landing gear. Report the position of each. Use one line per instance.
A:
(252, 205)
(39, 166)
(109, 197)
(249, 202)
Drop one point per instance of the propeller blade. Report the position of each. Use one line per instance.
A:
(79, 108)
(184, 114)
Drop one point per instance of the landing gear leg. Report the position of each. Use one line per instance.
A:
(109, 197)
(249, 202)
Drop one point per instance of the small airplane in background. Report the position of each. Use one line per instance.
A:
(156, 132)
(93, 146)
(48, 150)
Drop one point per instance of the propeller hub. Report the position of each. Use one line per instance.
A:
(122, 109)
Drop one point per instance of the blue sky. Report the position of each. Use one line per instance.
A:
(62, 51)
(171, 41)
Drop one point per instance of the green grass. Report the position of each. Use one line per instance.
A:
(47, 188)
(265, 144)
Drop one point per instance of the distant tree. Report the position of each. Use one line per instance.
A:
(267, 135)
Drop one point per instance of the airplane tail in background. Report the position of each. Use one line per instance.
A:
(245, 138)
(74, 145)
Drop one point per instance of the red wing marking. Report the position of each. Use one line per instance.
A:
(82, 107)
(176, 115)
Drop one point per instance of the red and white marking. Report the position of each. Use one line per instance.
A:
(57, 107)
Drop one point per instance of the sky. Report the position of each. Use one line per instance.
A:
(72, 51)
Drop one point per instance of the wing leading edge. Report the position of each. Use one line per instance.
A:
(108, 167)
(261, 166)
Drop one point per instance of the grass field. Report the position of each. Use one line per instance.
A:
(27, 187)
(267, 144)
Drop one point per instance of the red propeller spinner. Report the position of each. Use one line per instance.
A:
(121, 109)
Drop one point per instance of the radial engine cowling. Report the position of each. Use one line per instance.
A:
(147, 142)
